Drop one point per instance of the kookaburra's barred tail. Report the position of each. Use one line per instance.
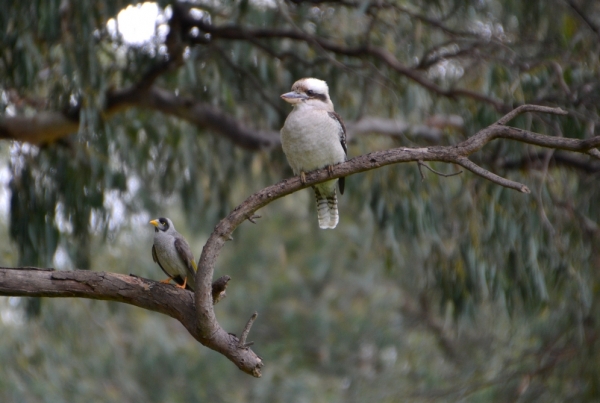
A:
(327, 209)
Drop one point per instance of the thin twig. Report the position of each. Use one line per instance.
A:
(471, 166)
(529, 108)
(246, 331)
(421, 163)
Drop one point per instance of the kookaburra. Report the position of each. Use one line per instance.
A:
(313, 137)
(173, 254)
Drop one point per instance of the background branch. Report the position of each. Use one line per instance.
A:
(251, 34)
(47, 127)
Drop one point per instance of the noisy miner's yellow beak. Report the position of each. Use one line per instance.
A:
(155, 223)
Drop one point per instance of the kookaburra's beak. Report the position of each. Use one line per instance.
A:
(293, 97)
(155, 223)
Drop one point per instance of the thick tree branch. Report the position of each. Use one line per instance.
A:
(197, 313)
(147, 294)
(140, 292)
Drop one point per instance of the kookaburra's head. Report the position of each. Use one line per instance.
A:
(163, 224)
(309, 92)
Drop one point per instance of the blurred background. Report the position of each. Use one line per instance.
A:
(443, 289)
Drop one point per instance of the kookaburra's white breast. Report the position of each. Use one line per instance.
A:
(311, 140)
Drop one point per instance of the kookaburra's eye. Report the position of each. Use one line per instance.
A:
(310, 92)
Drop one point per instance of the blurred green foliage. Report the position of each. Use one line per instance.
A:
(447, 289)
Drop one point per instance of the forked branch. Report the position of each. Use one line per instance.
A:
(197, 313)
(457, 154)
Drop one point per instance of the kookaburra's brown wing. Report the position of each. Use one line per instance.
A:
(186, 255)
(334, 115)
(342, 134)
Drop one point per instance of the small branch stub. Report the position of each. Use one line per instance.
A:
(529, 108)
(253, 217)
(218, 289)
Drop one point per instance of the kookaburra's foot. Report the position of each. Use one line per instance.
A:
(166, 281)
(330, 170)
(183, 285)
(303, 177)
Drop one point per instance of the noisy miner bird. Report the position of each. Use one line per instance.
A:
(313, 137)
(173, 254)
